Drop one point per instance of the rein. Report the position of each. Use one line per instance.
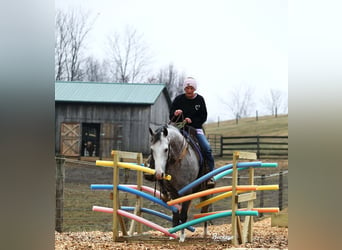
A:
(177, 124)
(184, 151)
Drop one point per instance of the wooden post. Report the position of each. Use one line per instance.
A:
(221, 146)
(116, 199)
(240, 236)
(60, 177)
(138, 204)
(258, 147)
(280, 191)
(262, 194)
(234, 199)
(248, 226)
(139, 198)
(115, 195)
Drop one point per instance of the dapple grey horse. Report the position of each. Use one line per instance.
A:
(173, 155)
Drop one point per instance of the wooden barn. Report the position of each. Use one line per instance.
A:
(94, 118)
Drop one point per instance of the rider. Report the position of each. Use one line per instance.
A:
(191, 106)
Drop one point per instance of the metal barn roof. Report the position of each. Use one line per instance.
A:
(127, 93)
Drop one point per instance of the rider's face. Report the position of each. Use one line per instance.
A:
(189, 91)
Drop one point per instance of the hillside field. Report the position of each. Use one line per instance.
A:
(265, 125)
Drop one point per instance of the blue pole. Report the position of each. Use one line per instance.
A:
(213, 173)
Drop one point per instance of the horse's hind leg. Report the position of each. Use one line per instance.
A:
(205, 209)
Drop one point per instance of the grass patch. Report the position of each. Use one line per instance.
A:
(265, 125)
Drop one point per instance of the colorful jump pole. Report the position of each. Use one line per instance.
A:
(147, 196)
(143, 209)
(215, 172)
(143, 188)
(229, 171)
(260, 210)
(130, 166)
(230, 193)
(210, 191)
(211, 217)
(146, 222)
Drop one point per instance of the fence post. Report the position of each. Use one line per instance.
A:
(221, 148)
(238, 182)
(281, 187)
(258, 146)
(60, 177)
(262, 194)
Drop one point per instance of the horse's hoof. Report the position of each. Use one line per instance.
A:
(182, 237)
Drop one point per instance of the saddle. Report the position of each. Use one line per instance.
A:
(189, 134)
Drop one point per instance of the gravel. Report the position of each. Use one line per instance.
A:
(264, 237)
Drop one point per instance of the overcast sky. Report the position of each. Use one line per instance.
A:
(222, 43)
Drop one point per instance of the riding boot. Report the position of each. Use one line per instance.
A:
(211, 183)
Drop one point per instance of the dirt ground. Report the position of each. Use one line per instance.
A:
(265, 237)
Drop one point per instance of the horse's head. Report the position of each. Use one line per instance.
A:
(160, 150)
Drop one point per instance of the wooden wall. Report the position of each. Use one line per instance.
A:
(123, 127)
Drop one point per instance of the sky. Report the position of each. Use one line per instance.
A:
(222, 43)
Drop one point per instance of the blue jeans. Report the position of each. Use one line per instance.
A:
(205, 146)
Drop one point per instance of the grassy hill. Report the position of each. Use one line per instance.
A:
(266, 125)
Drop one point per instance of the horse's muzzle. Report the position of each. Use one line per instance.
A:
(160, 176)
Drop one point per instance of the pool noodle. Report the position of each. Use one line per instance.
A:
(146, 222)
(210, 191)
(212, 217)
(143, 209)
(207, 176)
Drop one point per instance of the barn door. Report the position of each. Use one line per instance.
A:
(90, 139)
(70, 139)
(111, 138)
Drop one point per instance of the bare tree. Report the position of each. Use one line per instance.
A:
(61, 44)
(129, 56)
(72, 29)
(275, 102)
(241, 101)
(172, 78)
(94, 71)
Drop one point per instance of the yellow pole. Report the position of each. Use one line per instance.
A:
(130, 166)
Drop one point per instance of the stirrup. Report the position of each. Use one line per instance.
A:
(211, 182)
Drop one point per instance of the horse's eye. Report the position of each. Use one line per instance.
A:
(165, 150)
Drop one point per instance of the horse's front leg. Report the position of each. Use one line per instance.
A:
(175, 220)
(183, 218)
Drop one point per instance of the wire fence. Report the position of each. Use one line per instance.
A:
(74, 198)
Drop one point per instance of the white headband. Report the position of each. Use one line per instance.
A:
(190, 82)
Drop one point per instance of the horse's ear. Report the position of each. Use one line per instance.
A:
(151, 131)
(165, 131)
